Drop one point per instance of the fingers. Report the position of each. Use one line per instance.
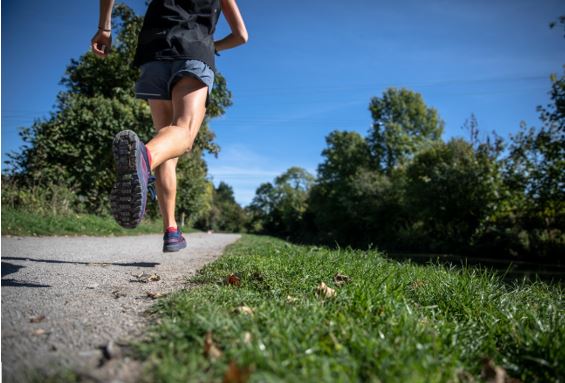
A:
(100, 45)
(98, 50)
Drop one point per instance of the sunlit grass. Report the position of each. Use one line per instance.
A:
(393, 322)
(25, 223)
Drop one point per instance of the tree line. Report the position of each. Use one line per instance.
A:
(402, 188)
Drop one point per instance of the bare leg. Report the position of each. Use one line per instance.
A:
(189, 108)
(162, 114)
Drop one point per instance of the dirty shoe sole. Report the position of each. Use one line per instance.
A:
(127, 197)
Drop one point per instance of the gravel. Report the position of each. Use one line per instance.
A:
(68, 301)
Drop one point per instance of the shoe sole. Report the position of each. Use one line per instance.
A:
(174, 248)
(126, 196)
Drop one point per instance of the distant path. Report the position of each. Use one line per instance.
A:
(86, 289)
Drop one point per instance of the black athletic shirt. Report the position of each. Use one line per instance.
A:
(178, 29)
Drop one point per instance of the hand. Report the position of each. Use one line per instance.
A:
(101, 43)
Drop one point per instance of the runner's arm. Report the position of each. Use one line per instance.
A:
(238, 33)
(102, 40)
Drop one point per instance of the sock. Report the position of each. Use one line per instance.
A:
(171, 229)
(148, 156)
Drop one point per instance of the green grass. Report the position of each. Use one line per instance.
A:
(24, 223)
(393, 322)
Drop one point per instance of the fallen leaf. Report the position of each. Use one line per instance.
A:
(341, 279)
(154, 278)
(291, 299)
(37, 319)
(233, 280)
(144, 277)
(210, 349)
(244, 310)
(247, 337)
(325, 291)
(492, 373)
(234, 374)
(39, 331)
(417, 284)
(153, 295)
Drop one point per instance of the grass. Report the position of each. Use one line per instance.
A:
(392, 322)
(25, 223)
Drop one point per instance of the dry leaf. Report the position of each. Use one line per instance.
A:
(247, 338)
(291, 299)
(153, 278)
(341, 279)
(39, 331)
(325, 291)
(153, 295)
(144, 277)
(37, 319)
(492, 373)
(233, 280)
(210, 349)
(234, 374)
(245, 310)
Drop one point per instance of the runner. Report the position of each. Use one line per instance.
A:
(176, 53)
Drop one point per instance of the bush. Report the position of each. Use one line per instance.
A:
(47, 199)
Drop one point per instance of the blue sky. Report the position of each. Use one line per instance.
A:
(311, 67)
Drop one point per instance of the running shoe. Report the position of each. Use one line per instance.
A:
(129, 194)
(173, 240)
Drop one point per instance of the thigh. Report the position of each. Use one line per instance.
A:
(189, 102)
(161, 113)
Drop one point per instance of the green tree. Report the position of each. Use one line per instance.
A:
(226, 214)
(535, 172)
(334, 206)
(402, 126)
(279, 208)
(73, 146)
(451, 190)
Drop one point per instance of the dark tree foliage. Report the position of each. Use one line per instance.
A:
(279, 208)
(73, 146)
(225, 214)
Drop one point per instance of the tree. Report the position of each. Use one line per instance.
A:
(225, 215)
(451, 189)
(279, 208)
(535, 172)
(402, 126)
(72, 146)
(333, 205)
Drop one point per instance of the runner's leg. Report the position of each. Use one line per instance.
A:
(162, 114)
(189, 108)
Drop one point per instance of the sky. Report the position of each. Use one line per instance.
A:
(311, 67)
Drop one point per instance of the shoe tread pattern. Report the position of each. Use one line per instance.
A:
(126, 196)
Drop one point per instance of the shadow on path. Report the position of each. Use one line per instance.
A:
(128, 264)
(14, 283)
(10, 268)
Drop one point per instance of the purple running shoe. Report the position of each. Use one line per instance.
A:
(173, 240)
(129, 194)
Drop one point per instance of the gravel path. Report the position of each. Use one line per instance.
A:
(64, 298)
